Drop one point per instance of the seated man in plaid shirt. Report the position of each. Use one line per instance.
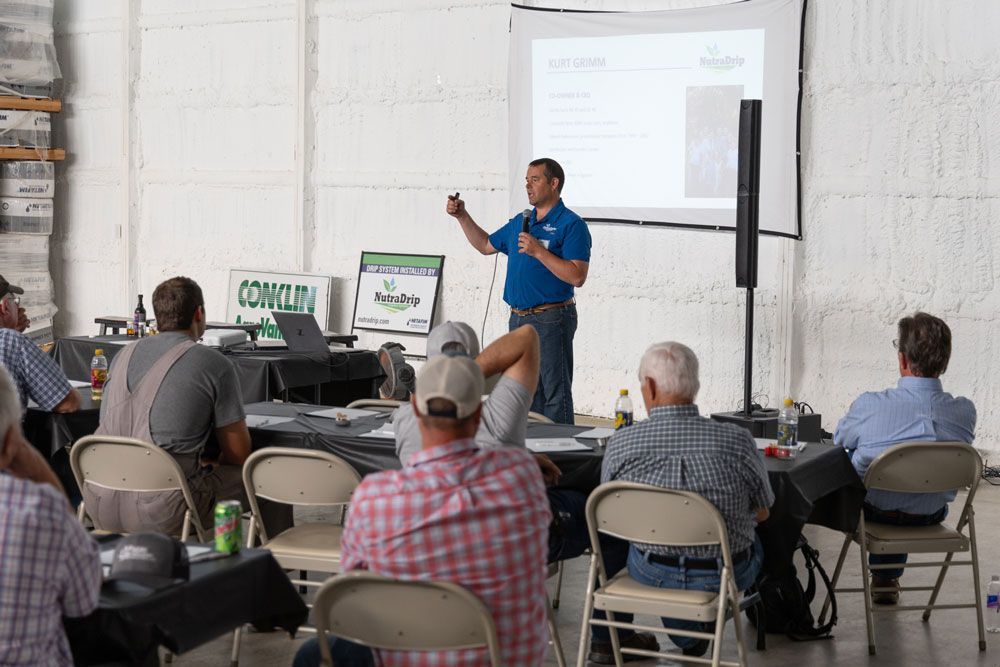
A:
(676, 448)
(51, 567)
(460, 513)
(36, 375)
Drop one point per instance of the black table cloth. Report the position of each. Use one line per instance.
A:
(220, 596)
(580, 470)
(333, 378)
(49, 432)
(819, 486)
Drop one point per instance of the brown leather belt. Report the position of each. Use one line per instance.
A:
(542, 308)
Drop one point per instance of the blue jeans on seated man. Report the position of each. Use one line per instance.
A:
(896, 518)
(568, 538)
(556, 328)
(665, 576)
(345, 654)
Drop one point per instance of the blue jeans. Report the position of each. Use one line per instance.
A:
(345, 654)
(556, 328)
(895, 518)
(568, 538)
(665, 576)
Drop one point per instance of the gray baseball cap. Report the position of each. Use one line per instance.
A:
(457, 379)
(6, 288)
(452, 338)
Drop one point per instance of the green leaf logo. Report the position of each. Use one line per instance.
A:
(390, 285)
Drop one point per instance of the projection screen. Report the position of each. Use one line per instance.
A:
(642, 109)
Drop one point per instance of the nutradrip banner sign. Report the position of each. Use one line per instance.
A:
(254, 294)
(397, 292)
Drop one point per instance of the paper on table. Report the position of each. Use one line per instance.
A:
(257, 421)
(599, 432)
(385, 431)
(350, 413)
(78, 383)
(545, 445)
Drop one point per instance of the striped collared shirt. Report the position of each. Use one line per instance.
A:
(915, 409)
(676, 448)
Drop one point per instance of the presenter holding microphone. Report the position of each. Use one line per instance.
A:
(548, 250)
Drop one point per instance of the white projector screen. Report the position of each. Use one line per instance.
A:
(642, 109)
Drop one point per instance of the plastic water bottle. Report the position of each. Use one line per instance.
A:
(788, 430)
(623, 410)
(98, 374)
(993, 603)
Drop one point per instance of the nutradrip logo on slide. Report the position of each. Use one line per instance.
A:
(719, 63)
(394, 303)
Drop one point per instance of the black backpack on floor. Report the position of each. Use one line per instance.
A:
(787, 606)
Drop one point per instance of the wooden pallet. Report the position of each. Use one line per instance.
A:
(26, 104)
(55, 154)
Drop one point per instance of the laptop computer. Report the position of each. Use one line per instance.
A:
(300, 331)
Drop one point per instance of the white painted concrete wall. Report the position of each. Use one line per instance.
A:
(209, 134)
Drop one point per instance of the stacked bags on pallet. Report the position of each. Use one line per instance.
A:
(28, 68)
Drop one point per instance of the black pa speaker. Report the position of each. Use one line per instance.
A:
(747, 187)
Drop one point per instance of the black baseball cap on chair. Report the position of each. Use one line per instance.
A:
(152, 560)
(6, 288)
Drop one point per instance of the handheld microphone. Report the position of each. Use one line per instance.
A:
(525, 220)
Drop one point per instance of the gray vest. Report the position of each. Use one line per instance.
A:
(126, 414)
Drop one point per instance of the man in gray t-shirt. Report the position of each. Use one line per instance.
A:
(505, 412)
(170, 391)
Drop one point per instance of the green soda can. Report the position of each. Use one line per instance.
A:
(228, 530)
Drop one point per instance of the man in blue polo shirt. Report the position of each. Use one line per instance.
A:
(544, 265)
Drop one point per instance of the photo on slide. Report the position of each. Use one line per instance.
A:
(711, 139)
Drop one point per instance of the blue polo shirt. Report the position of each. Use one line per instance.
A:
(529, 283)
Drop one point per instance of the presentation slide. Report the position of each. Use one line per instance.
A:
(646, 123)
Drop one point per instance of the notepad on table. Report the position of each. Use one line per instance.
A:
(549, 445)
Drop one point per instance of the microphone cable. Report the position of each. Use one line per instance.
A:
(489, 299)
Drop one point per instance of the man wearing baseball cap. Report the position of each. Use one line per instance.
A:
(515, 357)
(37, 376)
(22, 321)
(459, 512)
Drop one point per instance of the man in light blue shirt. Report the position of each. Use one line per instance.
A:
(916, 409)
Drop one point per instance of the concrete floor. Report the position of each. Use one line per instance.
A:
(948, 639)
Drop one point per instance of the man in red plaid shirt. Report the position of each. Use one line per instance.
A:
(459, 513)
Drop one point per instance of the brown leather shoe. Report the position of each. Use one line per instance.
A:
(601, 653)
(885, 597)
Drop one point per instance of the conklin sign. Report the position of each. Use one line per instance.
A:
(397, 292)
(254, 294)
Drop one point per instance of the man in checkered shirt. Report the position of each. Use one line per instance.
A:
(676, 448)
(473, 516)
(37, 376)
(49, 566)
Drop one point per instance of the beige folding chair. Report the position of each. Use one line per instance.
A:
(918, 467)
(538, 418)
(299, 477)
(653, 515)
(129, 464)
(385, 613)
(380, 404)
(553, 570)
